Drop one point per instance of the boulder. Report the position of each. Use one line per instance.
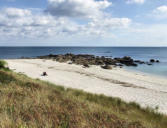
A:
(44, 74)
(86, 65)
(106, 67)
(157, 61)
(152, 60)
(128, 61)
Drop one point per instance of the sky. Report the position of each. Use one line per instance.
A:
(83, 22)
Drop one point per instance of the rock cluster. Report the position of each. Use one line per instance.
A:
(86, 60)
(153, 61)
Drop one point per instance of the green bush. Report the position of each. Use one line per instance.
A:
(2, 64)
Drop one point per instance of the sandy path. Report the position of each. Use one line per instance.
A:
(144, 89)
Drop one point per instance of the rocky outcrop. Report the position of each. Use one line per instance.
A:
(87, 60)
(128, 61)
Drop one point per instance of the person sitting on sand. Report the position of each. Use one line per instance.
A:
(44, 74)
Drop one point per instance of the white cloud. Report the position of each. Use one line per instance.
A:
(77, 8)
(162, 9)
(22, 22)
(25, 23)
(32, 24)
(108, 23)
(160, 12)
(105, 26)
(135, 1)
(15, 12)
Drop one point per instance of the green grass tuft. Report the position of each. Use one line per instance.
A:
(2, 64)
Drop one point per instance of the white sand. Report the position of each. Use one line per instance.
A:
(144, 89)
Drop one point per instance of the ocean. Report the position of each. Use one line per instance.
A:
(141, 53)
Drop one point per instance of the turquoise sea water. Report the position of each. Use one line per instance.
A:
(141, 53)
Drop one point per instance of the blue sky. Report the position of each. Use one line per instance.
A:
(83, 22)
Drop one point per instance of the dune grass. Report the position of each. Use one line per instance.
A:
(29, 103)
(2, 64)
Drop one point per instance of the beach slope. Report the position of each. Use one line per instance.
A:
(147, 90)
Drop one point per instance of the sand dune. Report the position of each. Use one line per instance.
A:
(144, 89)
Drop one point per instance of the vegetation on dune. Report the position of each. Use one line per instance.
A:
(2, 64)
(28, 103)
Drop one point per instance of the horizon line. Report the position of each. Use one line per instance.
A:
(80, 46)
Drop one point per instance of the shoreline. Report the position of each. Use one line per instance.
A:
(145, 73)
(146, 90)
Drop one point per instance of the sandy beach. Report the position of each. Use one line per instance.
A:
(147, 90)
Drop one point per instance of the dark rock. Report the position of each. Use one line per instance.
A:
(82, 59)
(99, 62)
(157, 61)
(128, 61)
(139, 62)
(44, 74)
(152, 60)
(86, 65)
(149, 64)
(121, 65)
(110, 61)
(133, 64)
(106, 67)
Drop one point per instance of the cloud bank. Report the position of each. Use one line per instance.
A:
(88, 21)
(60, 19)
